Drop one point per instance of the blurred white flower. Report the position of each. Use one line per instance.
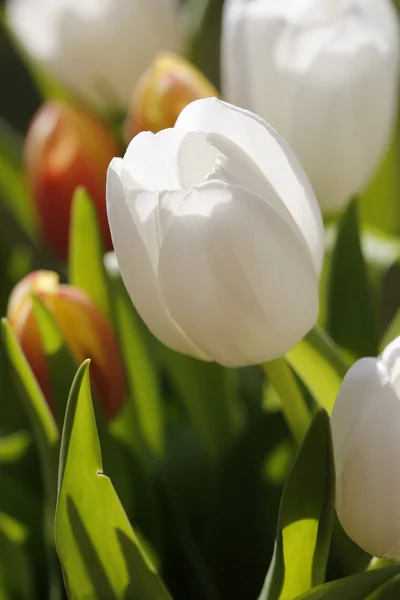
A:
(98, 48)
(218, 235)
(366, 440)
(324, 73)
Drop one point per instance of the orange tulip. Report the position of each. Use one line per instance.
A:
(162, 93)
(67, 147)
(86, 331)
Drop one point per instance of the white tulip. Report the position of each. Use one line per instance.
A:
(98, 48)
(366, 440)
(324, 73)
(218, 235)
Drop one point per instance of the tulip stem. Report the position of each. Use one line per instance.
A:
(297, 415)
(378, 563)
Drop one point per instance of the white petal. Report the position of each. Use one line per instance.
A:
(235, 277)
(135, 237)
(169, 160)
(273, 157)
(366, 437)
(98, 48)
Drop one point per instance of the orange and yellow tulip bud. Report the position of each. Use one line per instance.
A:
(162, 93)
(86, 332)
(67, 147)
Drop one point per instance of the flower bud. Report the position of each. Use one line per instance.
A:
(86, 332)
(366, 440)
(67, 147)
(325, 75)
(96, 48)
(220, 241)
(163, 91)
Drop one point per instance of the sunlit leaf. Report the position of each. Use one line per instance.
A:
(61, 366)
(319, 364)
(305, 518)
(143, 414)
(14, 446)
(355, 587)
(379, 205)
(86, 266)
(99, 551)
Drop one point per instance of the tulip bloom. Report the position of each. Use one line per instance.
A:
(163, 91)
(97, 48)
(325, 75)
(67, 147)
(218, 235)
(86, 332)
(366, 440)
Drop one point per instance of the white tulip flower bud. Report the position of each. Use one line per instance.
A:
(324, 73)
(97, 48)
(218, 235)
(366, 440)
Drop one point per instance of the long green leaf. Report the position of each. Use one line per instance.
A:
(46, 434)
(143, 415)
(352, 316)
(42, 421)
(355, 587)
(61, 365)
(86, 266)
(305, 518)
(320, 366)
(15, 565)
(98, 549)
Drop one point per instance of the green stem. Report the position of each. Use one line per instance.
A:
(378, 563)
(294, 408)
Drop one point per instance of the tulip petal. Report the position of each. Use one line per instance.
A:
(229, 268)
(272, 155)
(366, 439)
(168, 160)
(136, 249)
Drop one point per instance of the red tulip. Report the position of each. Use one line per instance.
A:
(67, 147)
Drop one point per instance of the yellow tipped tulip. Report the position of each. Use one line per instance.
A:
(85, 329)
(162, 93)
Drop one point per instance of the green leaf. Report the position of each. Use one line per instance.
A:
(46, 434)
(379, 205)
(320, 366)
(204, 49)
(98, 549)
(355, 587)
(145, 402)
(14, 447)
(305, 518)
(86, 266)
(42, 421)
(392, 332)
(15, 565)
(352, 317)
(389, 591)
(61, 365)
(141, 422)
(210, 402)
(13, 189)
(294, 407)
